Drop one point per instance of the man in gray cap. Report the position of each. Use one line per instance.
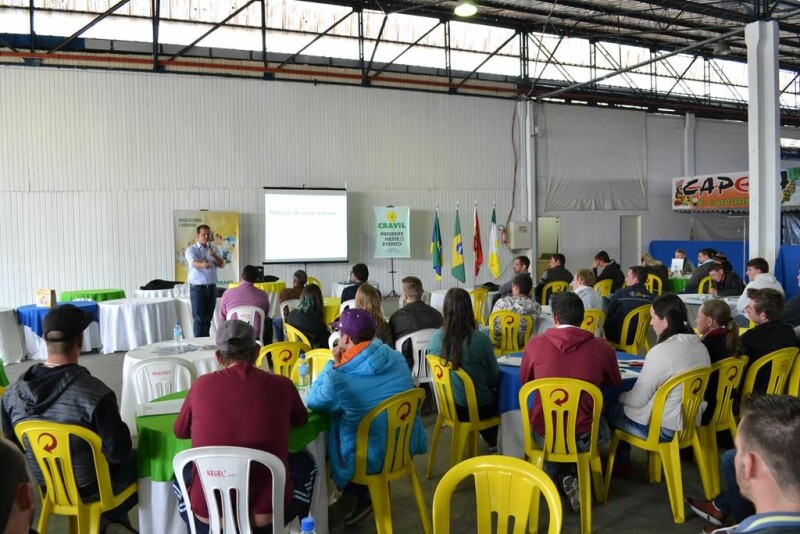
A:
(243, 406)
(62, 391)
(364, 373)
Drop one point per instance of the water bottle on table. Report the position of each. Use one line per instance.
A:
(177, 335)
(303, 374)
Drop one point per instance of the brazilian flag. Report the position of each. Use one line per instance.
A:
(436, 248)
(458, 253)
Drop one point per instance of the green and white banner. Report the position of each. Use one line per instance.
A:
(393, 232)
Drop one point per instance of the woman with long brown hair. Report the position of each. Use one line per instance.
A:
(368, 298)
(461, 343)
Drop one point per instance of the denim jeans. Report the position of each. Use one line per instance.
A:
(618, 420)
(203, 299)
(277, 324)
(583, 441)
(731, 502)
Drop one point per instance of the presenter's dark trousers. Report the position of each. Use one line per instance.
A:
(203, 299)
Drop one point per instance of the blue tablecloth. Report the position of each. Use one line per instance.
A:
(32, 315)
(664, 251)
(510, 385)
(786, 267)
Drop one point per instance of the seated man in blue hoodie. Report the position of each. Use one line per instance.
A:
(364, 373)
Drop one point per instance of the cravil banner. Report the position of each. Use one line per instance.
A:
(392, 232)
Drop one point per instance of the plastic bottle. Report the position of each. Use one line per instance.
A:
(303, 373)
(307, 525)
(177, 335)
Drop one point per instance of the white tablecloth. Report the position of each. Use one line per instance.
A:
(203, 360)
(184, 307)
(693, 302)
(36, 349)
(176, 292)
(11, 347)
(158, 506)
(129, 323)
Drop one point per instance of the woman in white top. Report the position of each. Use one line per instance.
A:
(583, 286)
(677, 350)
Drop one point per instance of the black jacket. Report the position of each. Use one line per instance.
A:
(731, 286)
(698, 275)
(411, 318)
(613, 272)
(623, 302)
(763, 339)
(553, 274)
(312, 325)
(717, 350)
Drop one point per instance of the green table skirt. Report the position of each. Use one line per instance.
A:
(158, 445)
(676, 285)
(97, 295)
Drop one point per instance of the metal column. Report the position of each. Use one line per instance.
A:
(763, 139)
(688, 145)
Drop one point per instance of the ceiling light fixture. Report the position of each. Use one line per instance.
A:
(721, 48)
(466, 8)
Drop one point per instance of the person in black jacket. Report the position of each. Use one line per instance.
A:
(625, 301)
(724, 283)
(770, 333)
(720, 334)
(358, 275)
(605, 268)
(413, 316)
(704, 264)
(556, 273)
(308, 317)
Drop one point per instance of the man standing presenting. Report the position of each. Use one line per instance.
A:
(61, 391)
(724, 283)
(413, 316)
(567, 351)
(605, 268)
(521, 265)
(364, 373)
(203, 263)
(246, 294)
(759, 278)
(624, 301)
(556, 273)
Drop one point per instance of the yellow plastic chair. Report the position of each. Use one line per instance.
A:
(315, 281)
(510, 323)
(780, 363)
(479, 296)
(704, 286)
(691, 386)
(284, 355)
(653, 284)
(293, 334)
(2, 390)
(560, 399)
(504, 488)
(400, 412)
(553, 287)
(464, 432)
(603, 287)
(317, 359)
(642, 316)
(593, 321)
(51, 446)
(792, 388)
(730, 372)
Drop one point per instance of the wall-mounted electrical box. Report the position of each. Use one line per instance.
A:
(520, 235)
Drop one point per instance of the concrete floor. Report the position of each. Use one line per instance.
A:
(634, 505)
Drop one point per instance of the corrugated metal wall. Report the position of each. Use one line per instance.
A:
(92, 164)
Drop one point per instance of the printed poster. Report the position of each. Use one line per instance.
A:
(392, 232)
(224, 239)
(714, 192)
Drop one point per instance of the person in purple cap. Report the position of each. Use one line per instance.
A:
(364, 373)
(61, 391)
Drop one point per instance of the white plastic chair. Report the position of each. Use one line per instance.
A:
(224, 473)
(287, 306)
(419, 347)
(333, 340)
(156, 377)
(347, 304)
(252, 315)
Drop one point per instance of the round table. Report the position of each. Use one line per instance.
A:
(181, 290)
(97, 295)
(129, 323)
(678, 283)
(198, 351)
(157, 446)
(509, 384)
(331, 308)
(31, 317)
(11, 347)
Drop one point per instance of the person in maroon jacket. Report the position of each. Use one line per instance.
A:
(243, 406)
(567, 351)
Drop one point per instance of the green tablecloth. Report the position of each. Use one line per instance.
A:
(678, 284)
(158, 445)
(97, 295)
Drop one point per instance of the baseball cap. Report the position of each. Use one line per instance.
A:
(354, 321)
(235, 335)
(67, 319)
